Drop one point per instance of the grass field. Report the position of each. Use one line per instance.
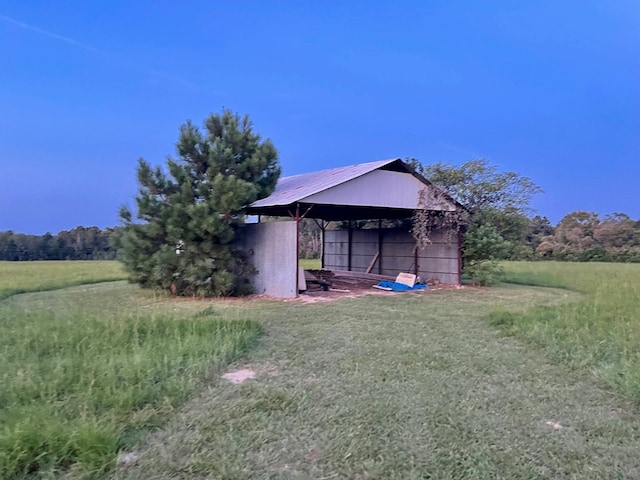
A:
(88, 370)
(310, 263)
(600, 333)
(406, 386)
(394, 386)
(22, 277)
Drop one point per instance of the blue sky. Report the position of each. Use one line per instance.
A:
(549, 89)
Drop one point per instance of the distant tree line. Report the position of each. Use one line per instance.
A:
(584, 237)
(578, 237)
(80, 243)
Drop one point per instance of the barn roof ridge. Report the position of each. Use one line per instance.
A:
(375, 164)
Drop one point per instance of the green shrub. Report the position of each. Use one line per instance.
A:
(484, 272)
(483, 247)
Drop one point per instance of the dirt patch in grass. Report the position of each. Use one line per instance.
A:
(239, 376)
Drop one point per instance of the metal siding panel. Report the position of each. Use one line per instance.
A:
(335, 247)
(438, 260)
(439, 251)
(336, 235)
(378, 188)
(440, 265)
(271, 248)
(366, 249)
(366, 235)
(295, 188)
(447, 278)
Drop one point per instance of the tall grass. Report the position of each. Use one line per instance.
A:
(22, 277)
(78, 384)
(600, 332)
(75, 390)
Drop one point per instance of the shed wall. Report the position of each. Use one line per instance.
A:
(271, 248)
(380, 188)
(440, 260)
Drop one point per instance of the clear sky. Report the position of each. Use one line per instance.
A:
(549, 89)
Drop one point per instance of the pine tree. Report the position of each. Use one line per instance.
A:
(190, 218)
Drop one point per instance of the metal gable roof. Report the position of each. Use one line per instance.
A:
(321, 194)
(298, 187)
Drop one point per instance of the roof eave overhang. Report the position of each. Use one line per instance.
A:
(332, 212)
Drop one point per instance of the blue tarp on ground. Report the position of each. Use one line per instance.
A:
(400, 287)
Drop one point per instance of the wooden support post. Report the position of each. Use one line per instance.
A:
(297, 220)
(380, 242)
(349, 246)
(323, 226)
(459, 257)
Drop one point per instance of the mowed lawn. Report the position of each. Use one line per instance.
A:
(409, 385)
(402, 386)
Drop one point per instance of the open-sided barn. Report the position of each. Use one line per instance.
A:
(387, 189)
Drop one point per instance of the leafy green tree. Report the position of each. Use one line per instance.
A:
(497, 207)
(583, 236)
(415, 164)
(616, 231)
(513, 227)
(484, 247)
(573, 238)
(480, 186)
(8, 246)
(190, 217)
(539, 228)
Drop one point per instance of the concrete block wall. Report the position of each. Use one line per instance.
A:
(271, 248)
(397, 253)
